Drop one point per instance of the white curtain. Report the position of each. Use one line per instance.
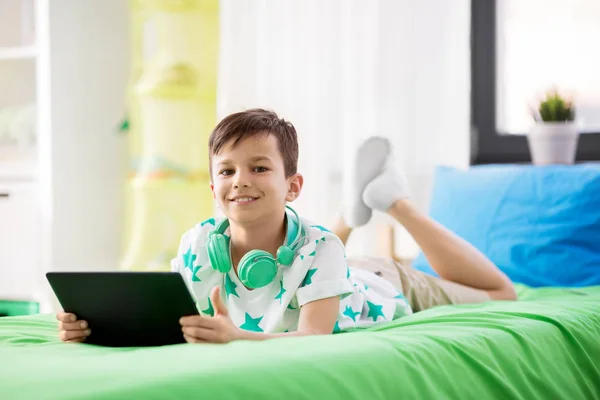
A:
(343, 70)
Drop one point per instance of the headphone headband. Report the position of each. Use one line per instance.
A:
(294, 227)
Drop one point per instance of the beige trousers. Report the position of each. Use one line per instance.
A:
(423, 291)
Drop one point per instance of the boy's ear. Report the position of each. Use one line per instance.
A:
(295, 187)
(212, 189)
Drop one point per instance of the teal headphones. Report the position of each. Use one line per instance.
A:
(257, 268)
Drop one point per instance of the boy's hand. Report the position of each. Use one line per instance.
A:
(206, 329)
(72, 330)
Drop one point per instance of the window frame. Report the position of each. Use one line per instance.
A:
(488, 146)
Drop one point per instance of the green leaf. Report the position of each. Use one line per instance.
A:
(555, 108)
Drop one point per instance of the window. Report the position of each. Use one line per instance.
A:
(520, 50)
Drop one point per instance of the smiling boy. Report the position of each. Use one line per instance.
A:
(263, 272)
(253, 162)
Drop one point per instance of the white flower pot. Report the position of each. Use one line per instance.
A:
(553, 143)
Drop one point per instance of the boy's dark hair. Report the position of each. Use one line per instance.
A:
(245, 124)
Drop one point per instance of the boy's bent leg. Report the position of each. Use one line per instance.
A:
(453, 258)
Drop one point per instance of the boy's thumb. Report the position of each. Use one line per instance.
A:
(219, 306)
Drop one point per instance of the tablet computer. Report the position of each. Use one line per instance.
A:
(126, 309)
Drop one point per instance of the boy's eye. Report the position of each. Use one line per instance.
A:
(260, 169)
(226, 172)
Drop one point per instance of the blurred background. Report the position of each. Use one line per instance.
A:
(106, 107)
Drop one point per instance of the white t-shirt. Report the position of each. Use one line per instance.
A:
(319, 271)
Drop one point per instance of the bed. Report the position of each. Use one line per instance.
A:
(538, 225)
(544, 346)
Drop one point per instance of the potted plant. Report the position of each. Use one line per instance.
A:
(553, 139)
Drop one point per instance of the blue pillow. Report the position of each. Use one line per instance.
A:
(540, 225)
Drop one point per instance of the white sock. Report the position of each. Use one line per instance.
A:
(368, 162)
(388, 187)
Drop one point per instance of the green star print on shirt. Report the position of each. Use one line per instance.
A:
(351, 313)
(281, 292)
(210, 221)
(210, 310)
(188, 259)
(374, 311)
(251, 324)
(308, 278)
(319, 227)
(336, 328)
(230, 286)
(194, 270)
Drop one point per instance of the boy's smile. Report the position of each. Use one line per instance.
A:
(242, 201)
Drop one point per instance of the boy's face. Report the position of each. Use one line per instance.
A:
(249, 182)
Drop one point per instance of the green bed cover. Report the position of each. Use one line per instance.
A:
(545, 346)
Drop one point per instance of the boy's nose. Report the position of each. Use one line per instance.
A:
(241, 180)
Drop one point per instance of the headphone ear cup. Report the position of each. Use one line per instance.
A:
(285, 255)
(218, 253)
(257, 268)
